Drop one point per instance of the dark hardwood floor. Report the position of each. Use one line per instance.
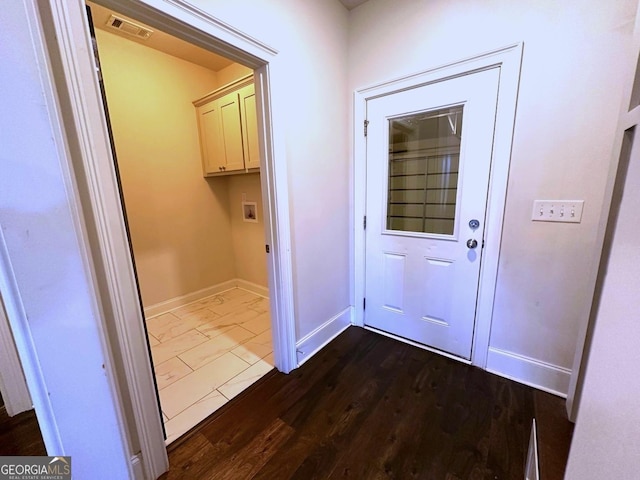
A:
(20, 435)
(369, 407)
(365, 407)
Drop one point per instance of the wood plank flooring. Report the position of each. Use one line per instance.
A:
(20, 435)
(367, 407)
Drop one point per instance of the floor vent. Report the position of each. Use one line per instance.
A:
(129, 27)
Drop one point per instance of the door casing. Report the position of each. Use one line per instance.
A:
(508, 59)
(78, 115)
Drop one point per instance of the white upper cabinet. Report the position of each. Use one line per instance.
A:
(249, 126)
(228, 129)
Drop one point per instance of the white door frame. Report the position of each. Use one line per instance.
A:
(79, 114)
(13, 385)
(508, 60)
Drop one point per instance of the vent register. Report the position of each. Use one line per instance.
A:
(129, 27)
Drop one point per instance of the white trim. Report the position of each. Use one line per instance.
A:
(137, 467)
(543, 376)
(252, 287)
(13, 385)
(28, 355)
(508, 59)
(85, 129)
(275, 204)
(68, 34)
(531, 469)
(182, 300)
(313, 342)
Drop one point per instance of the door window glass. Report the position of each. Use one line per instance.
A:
(424, 155)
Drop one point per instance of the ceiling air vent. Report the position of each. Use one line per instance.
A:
(129, 27)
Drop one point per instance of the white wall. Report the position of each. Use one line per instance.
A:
(567, 112)
(44, 272)
(40, 214)
(311, 39)
(607, 434)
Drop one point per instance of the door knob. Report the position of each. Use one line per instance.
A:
(472, 243)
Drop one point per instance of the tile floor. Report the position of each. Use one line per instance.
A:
(207, 352)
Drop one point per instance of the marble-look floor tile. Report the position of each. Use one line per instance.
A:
(191, 416)
(240, 317)
(238, 304)
(214, 329)
(170, 371)
(245, 379)
(259, 324)
(191, 308)
(185, 392)
(255, 348)
(167, 326)
(176, 346)
(270, 359)
(226, 338)
(261, 305)
(214, 348)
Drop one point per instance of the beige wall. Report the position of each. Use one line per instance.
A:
(231, 73)
(187, 231)
(179, 221)
(248, 237)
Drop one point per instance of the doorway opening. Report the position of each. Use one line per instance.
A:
(196, 233)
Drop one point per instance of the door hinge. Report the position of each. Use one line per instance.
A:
(266, 247)
(364, 222)
(364, 303)
(366, 126)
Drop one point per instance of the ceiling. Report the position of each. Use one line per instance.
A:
(169, 44)
(351, 4)
(160, 41)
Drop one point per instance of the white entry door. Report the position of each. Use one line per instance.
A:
(428, 161)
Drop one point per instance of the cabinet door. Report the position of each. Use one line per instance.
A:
(230, 132)
(249, 126)
(210, 139)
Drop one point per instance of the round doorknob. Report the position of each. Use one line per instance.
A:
(472, 243)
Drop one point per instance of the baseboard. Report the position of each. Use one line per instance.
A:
(537, 374)
(137, 468)
(307, 346)
(253, 287)
(173, 303)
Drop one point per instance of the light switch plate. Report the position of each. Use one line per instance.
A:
(566, 211)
